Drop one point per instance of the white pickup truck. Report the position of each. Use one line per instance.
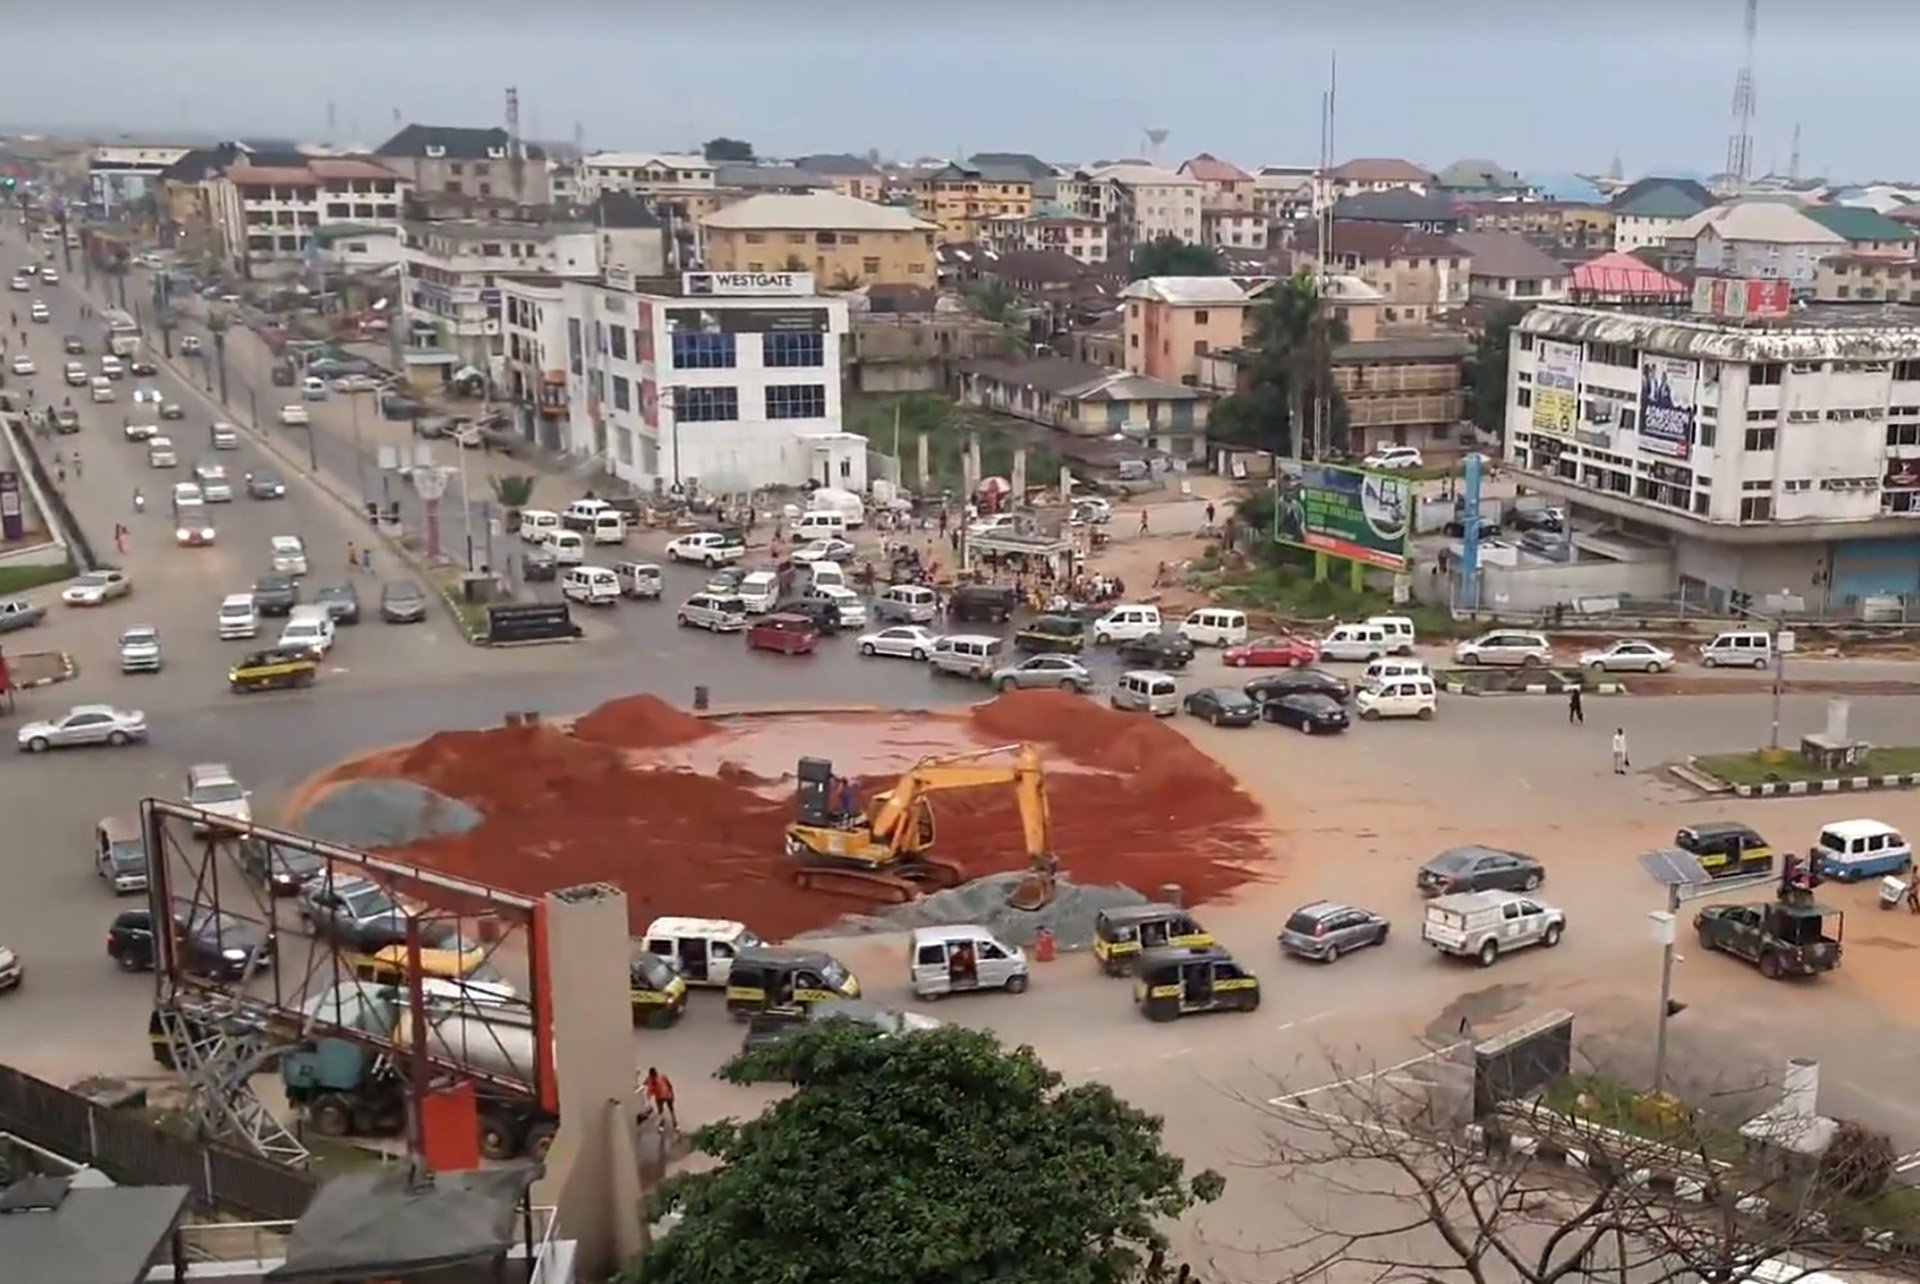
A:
(1484, 925)
(708, 548)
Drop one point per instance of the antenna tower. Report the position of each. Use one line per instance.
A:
(516, 151)
(1740, 141)
(1793, 157)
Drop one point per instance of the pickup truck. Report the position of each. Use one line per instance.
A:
(1786, 937)
(18, 613)
(708, 548)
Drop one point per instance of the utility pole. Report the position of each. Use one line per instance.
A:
(1670, 930)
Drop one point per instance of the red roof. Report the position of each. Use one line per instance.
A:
(1623, 274)
(1379, 169)
(1209, 168)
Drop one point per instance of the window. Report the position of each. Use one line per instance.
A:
(1903, 434)
(622, 394)
(1806, 367)
(617, 341)
(706, 405)
(1526, 343)
(1761, 438)
(1133, 341)
(796, 401)
(698, 350)
(1524, 397)
(1200, 316)
(756, 238)
(1756, 508)
(1703, 433)
(1907, 371)
(788, 350)
(574, 344)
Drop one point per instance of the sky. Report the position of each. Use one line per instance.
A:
(1545, 86)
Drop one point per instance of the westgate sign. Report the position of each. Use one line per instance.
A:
(788, 284)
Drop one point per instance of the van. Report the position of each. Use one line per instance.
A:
(309, 629)
(1399, 631)
(568, 548)
(120, 854)
(1355, 642)
(1215, 626)
(808, 575)
(1127, 622)
(609, 527)
(1149, 690)
(594, 585)
(831, 499)
(211, 787)
(1400, 697)
(703, 949)
(313, 388)
(960, 958)
(581, 514)
(1741, 647)
(1850, 850)
(758, 591)
(101, 388)
(537, 523)
(238, 619)
(111, 368)
(722, 613)
(819, 524)
(1388, 668)
(785, 633)
(967, 655)
(639, 579)
(905, 604)
(853, 611)
(1484, 925)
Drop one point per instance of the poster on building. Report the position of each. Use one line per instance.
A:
(1666, 405)
(1556, 388)
(1347, 513)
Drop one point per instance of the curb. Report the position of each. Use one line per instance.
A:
(453, 610)
(1693, 777)
(1537, 688)
(69, 669)
(1841, 785)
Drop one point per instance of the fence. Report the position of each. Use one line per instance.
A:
(128, 1148)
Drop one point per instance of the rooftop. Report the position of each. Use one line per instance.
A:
(1625, 275)
(1379, 169)
(452, 142)
(1858, 223)
(1506, 254)
(1759, 221)
(490, 230)
(1209, 168)
(1136, 174)
(1026, 162)
(315, 169)
(1813, 332)
(1079, 379)
(1480, 175)
(641, 160)
(837, 165)
(768, 176)
(1198, 291)
(54, 1233)
(1397, 205)
(1380, 241)
(1433, 347)
(815, 211)
(1683, 194)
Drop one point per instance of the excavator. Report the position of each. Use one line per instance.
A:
(885, 853)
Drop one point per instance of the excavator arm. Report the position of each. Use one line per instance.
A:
(1017, 765)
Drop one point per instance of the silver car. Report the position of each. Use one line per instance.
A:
(1060, 671)
(140, 650)
(1325, 930)
(1630, 656)
(1505, 646)
(84, 724)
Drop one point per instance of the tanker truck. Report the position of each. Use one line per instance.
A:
(348, 1087)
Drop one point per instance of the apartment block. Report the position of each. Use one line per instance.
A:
(1173, 323)
(1082, 239)
(960, 200)
(268, 214)
(451, 281)
(843, 242)
(480, 163)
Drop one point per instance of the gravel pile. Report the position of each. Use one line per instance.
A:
(385, 813)
(983, 901)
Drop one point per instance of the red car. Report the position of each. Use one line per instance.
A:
(1282, 652)
(787, 634)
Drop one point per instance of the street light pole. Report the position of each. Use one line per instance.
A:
(1666, 987)
(359, 464)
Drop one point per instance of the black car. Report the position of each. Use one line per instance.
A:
(537, 565)
(1272, 686)
(264, 484)
(130, 940)
(983, 603)
(341, 600)
(1052, 634)
(1306, 710)
(276, 594)
(1550, 520)
(281, 871)
(1156, 651)
(1489, 529)
(218, 944)
(141, 367)
(1223, 706)
(823, 612)
(1479, 869)
(74, 346)
(402, 602)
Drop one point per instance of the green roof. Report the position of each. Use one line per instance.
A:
(1857, 223)
(1660, 202)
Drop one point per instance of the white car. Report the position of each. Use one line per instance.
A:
(161, 454)
(140, 432)
(1505, 646)
(994, 522)
(95, 587)
(39, 312)
(1091, 510)
(84, 724)
(50, 276)
(19, 284)
(708, 548)
(289, 555)
(294, 416)
(1629, 657)
(146, 396)
(76, 374)
(23, 365)
(824, 550)
(356, 383)
(1394, 457)
(853, 612)
(906, 641)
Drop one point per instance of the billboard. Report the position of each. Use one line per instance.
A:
(1738, 299)
(1666, 405)
(1348, 513)
(749, 320)
(1556, 388)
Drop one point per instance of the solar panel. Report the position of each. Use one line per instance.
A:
(1671, 867)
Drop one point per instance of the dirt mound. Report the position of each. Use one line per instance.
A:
(641, 722)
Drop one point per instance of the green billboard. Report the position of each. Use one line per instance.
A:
(1347, 513)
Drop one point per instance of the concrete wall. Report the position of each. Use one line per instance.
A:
(1534, 585)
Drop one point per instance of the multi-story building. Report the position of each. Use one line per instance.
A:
(1377, 174)
(360, 247)
(1763, 240)
(121, 175)
(186, 208)
(1284, 193)
(853, 176)
(1173, 323)
(533, 327)
(1507, 267)
(1404, 391)
(1227, 185)
(469, 162)
(563, 181)
(1773, 458)
(960, 200)
(1434, 212)
(1149, 202)
(1081, 239)
(1421, 275)
(1866, 232)
(725, 382)
(644, 173)
(843, 242)
(450, 285)
(1646, 212)
(1551, 225)
(1233, 229)
(1484, 180)
(1866, 278)
(267, 214)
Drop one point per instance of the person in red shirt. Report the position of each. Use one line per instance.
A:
(660, 1093)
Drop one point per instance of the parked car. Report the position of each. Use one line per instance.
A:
(1278, 650)
(354, 911)
(1394, 457)
(1527, 650)
(1547, 520)
(84, 724)
(907, 641)
(341, 600)
(1628, 656)
(1062, 672)
(402, 602)
(1298, 682)
(1308, 711)
(1479, 869)
(1324, 930)
(1457, 527)
(1165, 650)
(1222, 706)
(96, 587)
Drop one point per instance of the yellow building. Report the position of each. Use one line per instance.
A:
(959, 200)
(845, 243)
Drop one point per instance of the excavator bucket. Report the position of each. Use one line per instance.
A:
(1033, 892)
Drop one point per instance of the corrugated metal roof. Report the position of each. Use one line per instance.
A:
(1198, 290)
(1763, 221)
(1806, 336)
(1506, 254)
(1858, 223)
(815, 211)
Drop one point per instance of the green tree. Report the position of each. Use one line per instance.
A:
(736, 150)
(1171, 256)
(1294, 336)
(994, 299)
(513, 490)
(1487, 371)
(933, 1158)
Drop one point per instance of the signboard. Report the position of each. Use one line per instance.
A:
(1739, 299)
(790, 284)
(1556, 388)
(650, 403)
(1902, 474)
(643, 332)
(1667, 405)
(747, 320)
(13, 522)
(1348, 513)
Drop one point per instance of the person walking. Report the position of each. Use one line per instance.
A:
(660, 1095)
(1574, 711)
(1620, 760)
(353, 558)
(120, 539)
(1143, 521)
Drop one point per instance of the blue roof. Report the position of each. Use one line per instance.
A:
(1566, 187)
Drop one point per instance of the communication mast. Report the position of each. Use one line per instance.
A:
(516, 152)
(1740, 141)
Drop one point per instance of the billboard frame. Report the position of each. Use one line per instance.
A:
(1305, 503)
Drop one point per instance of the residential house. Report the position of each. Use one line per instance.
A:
(1867, 232)
(1405, 391)
(1081, 239)
(533, 325)
(1099, 343)
(1907, 216)
(1149, 202)
(471, 162)
(267, 214)
(853, 176)
(645, 173)
(1646, 212)
(1284, 193)
(1421, 275)
(1092, 401)
(1765, 240)
(1508, 267)
(1434, 212)
(1377, 174)
(1554, 226)
(186, 204)
(450, 273)
(1227, 185)
(1173, 322)
(1484, 180)
(844, 242)
(915, 348)
(1623, 278)
(1866, 278)
(960, 200)
(1044, 177)
(1230, 228)
(748, 180)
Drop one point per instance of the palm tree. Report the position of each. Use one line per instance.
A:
(1296, 336)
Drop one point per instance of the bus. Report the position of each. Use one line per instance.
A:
(123, 334)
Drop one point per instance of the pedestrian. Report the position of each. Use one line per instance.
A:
(660, 1094)
(1913, 893)
(353, 558)
(1209, 514)
(76, 464)
(1574, 712)
(120, 539)
(1143, 521)
(1620, 760)
(366, 560)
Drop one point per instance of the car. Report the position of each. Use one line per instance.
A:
(120, 855)
(172, 410)
(1166, 650)
(853, 611)
(224, 437)
(1628, 656)
(1308, 711)
(1007, 522)
(402, 602)
(280, 870)
(140, 367)
(76, 375)
(190, 345)
(288, 554)
(161, 454)
(823, 611)
(130, 940)
(65, 419)
(775, 1026)
(73, 345)
(907, 641)
(11, 973)
(211, 475)
(1780, 938)
(341, 600)
(1505, 646)
(18, 613)
(49, 276)
(100, 389)
(1324, 930)
(294, 416)
(538, 565)
(140, 650)
(829, 549)
(1049, 669)
(1090, 510)
(1222, 706)
(276, 594)
(1479, 869)
(1275, 650)
(134, 431)
(708, 548)
(192, 529)
(1457, 527)
(262, 483)
(219, 944)
(39, 313)
(23, 365)
(354, 911)
(96, 587)
(1545, 520)
(1298, 682)
(1393, 457)
(356, 383)
(18, 284)
(146, 396)
(84, 724)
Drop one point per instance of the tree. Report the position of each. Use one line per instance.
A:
(933, 1158)
(1171, 256)
(1292, 369)
(1487, 371)
(736, 150)
(513, 490)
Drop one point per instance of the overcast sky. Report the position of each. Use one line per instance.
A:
(1540, 85)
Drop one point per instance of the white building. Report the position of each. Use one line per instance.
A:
(360, 247)
(727, 380)
(533, 324)
(1150, 202)
(1234, 229)
(1761, 240)
(269, 214)
(119, 175)
(1082, 239)
(450, 284)
(635, 173)
(1773, 458)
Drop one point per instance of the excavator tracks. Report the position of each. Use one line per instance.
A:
(905, 882)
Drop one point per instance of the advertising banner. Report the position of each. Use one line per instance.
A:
(1556, 388)
(1348, 513)
(1666, 405)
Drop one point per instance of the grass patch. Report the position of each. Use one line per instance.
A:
(18, 579)
(472, 615)
(1596, 1099)
(1755, 768)
(1282, 588)
(1897, 1209)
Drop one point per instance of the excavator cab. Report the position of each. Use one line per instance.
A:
(816, 800)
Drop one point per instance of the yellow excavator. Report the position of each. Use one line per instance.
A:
(885, 852)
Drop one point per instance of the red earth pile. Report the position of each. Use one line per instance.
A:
(1131, 802)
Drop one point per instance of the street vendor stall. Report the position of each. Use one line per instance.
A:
(1018, 554)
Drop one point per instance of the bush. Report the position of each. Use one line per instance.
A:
(1859, 1162)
